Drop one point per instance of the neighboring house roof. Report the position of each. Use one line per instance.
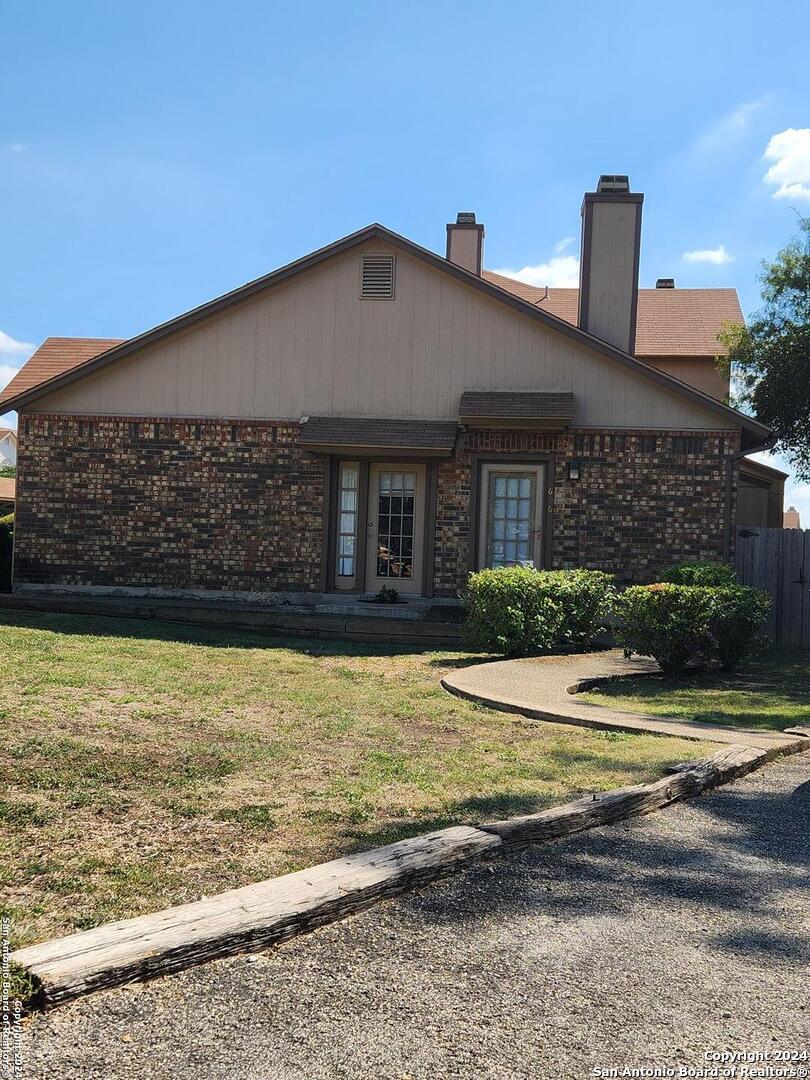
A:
(669, 322)
(757, 433)
(54, 357)
(750, 467)
(8, 487)
(8, 433)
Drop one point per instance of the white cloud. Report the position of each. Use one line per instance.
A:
(10, 347)
(561, 272)
(790, 153)
(717, 255)
(730, 128)
(561, 245)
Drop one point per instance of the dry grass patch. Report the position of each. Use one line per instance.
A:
(148, 764)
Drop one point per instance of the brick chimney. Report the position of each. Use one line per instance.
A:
(608, 270)
(465, 243)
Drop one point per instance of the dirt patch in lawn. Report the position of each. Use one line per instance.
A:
(148, 764)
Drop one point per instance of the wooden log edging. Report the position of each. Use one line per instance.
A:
(269, 912)
(245, 919)
(689, 779)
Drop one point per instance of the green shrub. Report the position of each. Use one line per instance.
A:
(671, 623)
(6, 547)
(738, 613)
(519, 611)
(700, 573)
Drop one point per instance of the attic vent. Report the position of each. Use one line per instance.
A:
(377, 277)
(665, 283)
(612, 183)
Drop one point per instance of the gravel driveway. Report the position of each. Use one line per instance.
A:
(645, 944)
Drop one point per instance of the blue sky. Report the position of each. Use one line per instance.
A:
(154, 155)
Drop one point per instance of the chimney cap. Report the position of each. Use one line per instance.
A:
(465, 217)
(612, 183)
(665, 283)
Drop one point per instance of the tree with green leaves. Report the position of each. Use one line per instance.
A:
(770, 358)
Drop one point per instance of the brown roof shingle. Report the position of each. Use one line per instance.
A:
(670, 322)
(55, 356)
(362, 431)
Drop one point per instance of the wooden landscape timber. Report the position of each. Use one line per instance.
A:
(264, 914)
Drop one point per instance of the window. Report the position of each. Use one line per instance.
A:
(377, 277)
(347, 520)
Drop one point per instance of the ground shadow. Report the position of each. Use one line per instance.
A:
(750, 850)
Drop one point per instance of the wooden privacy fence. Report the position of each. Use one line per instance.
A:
(778, 561)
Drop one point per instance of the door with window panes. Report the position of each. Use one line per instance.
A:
(380, 525)
(510, 527)
(395, 527)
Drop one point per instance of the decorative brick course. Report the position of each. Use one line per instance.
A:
(192, 504)
(238, 505)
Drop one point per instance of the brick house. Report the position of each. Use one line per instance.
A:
(377, 415)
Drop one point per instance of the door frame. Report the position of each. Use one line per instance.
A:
(481, 459)
(330, 504)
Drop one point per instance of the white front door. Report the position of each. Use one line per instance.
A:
(396, 527)
(511, 515)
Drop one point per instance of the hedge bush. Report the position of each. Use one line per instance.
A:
(738, 613)
(676, 624)
(519, 611)
(700, 573)
(6, 546)
(671, 623)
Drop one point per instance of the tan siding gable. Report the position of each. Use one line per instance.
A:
(311, 346)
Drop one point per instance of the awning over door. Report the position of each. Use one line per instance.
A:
(550, 411)
(364, 436)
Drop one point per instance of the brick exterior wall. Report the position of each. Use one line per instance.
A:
(644, 500)
(201, 504)
(170, 504)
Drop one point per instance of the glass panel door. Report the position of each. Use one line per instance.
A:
(511, 514)
(395, 527)
(510, 527)
(395, 505)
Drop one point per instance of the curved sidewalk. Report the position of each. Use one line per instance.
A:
(538, 689)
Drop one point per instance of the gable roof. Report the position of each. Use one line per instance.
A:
(669, 322)
(757, 433)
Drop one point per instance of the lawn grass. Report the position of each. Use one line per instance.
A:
(771, 691)
(147, 764)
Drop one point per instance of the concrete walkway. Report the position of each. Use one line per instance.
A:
(538, 688)
(648, 943)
